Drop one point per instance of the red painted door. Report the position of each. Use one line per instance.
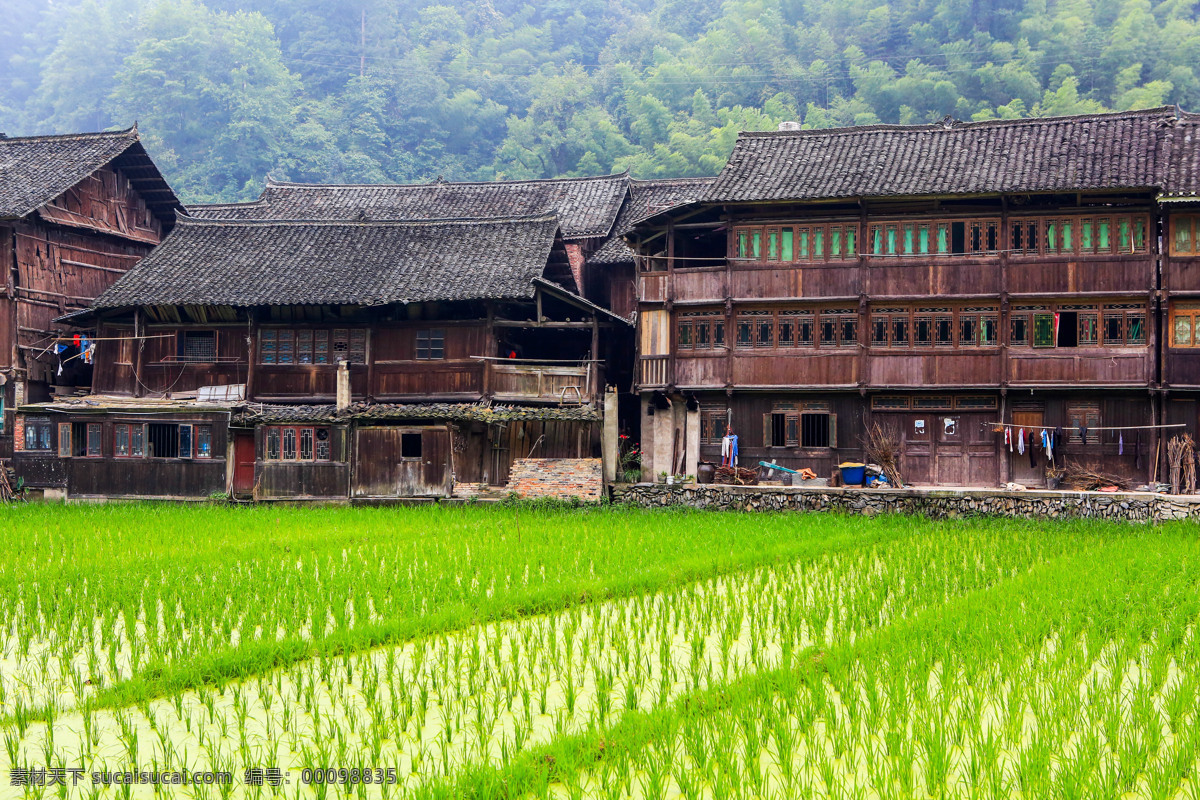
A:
(243, 463)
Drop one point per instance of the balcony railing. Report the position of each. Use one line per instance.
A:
(653, 371)
(526, 380)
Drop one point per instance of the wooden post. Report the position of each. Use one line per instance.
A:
(1005, 462)
(609, 441)
(490, 348)
(139, 360)
(669, 305)
(729, 331)
(251, 352)
(594, 387)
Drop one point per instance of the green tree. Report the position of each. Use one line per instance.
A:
(211, 89)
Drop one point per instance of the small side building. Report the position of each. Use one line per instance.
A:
(332, 359)
(76, 212)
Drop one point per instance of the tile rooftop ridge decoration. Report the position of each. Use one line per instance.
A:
(949, 125)
(129, 133)
(272, 183)
(219, 222)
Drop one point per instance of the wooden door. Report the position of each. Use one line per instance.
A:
(965, 450)
(950, 449)
(1030, 419)
(401, 462)
(243, 463)
(917, 431)
(981, 442)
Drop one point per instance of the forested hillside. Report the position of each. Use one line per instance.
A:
(226, 91)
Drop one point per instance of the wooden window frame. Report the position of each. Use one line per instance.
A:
(128, 428)
(202, 434)
(890, 402)
(276, 440)
(182, 339)
(890, 238)
(38, 424)
(772, 244)
(743, 323)
(703, 328)
(408, 436)
(1183, 311)
(429, 344)
(812, 243)
(713, 424)
(1082, 243)
(792, 415)
(1190, 223)
(1129, 314)
(308, 346)
(96, 428)
(1087, 411)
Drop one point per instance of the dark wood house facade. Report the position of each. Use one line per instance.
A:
(950, 281)
(76, 212)
(333, 358)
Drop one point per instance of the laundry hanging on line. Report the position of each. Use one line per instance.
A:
(729, 450)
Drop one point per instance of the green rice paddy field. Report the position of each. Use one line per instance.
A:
(606, 653)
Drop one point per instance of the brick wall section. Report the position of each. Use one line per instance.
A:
(562, 478)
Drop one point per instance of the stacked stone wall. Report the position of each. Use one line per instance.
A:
(933, 503)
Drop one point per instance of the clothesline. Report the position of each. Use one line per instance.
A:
(71, 339)
(1089, 427)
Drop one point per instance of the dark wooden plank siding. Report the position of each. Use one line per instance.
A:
(1097, 274)
(934, 277)
(381, 470)
(156, 477)
(278, 480)
(957, 367)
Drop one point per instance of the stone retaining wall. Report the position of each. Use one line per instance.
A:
(934, 503)
(561, 478)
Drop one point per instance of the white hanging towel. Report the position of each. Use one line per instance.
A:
(1021, 441)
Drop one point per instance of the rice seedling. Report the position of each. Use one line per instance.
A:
(453, 657)
(1060, 679)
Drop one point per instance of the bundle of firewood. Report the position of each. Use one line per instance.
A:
(740, 476)
(882, 446)
(1181, 458)
(1089, 478)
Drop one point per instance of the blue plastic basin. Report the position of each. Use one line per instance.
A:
(853, 476)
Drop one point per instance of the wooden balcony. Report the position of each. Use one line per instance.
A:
(1108, 366)
(520, 380)
(653, 371)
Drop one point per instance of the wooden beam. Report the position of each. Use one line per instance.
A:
(505, 323)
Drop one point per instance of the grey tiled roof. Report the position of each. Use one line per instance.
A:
(258, 413)
(586, 207)
(1128, 150)
(36, 169)
(280, 262)
(646, 198)
(1183, 176)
